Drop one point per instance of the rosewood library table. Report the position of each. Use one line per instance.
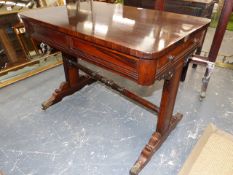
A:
(138, 44)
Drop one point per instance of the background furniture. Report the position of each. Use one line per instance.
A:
(20, 56)
(201, 8)
(16, 45)
(28, 45)
(8, 40)
(7, 47)
(209, 61)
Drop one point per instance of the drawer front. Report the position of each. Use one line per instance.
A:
(179, 53)
(112, 60)
(53, 38)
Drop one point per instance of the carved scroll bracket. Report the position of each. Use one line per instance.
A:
(153, 145)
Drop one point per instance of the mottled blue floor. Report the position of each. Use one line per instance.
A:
(98, 132)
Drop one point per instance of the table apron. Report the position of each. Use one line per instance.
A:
(142, 71)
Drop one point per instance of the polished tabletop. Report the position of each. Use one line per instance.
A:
(135, 31)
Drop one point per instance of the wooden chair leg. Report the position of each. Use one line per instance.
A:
(206, 79)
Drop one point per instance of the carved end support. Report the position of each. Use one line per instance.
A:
(65, 89)
(153, 145)
(55, 96)
(146, 153)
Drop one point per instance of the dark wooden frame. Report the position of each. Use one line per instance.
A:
(141, 67)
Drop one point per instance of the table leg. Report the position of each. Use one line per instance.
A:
(73, 83)
(206, 79)
(215, 46)
(166, 121)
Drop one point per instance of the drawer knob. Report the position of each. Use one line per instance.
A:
(171, 58)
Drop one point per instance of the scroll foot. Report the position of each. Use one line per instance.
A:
(65, 89)
(64, 86)
(153, 145)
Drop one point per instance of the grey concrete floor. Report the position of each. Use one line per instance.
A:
(226, 46)
(97, 132)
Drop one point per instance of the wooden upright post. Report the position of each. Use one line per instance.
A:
(159, 5)
(9, 50)
(220, 30)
